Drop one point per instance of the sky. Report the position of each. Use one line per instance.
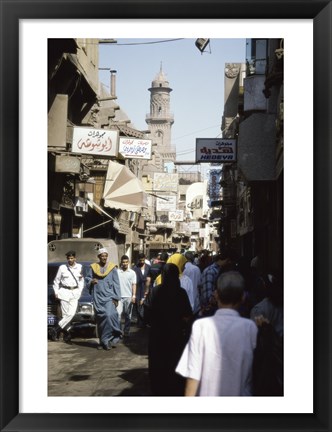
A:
(197, 81)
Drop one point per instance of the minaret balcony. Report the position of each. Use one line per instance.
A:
(160, 116)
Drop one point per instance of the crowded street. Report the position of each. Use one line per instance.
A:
(162, 247)
(165, 260)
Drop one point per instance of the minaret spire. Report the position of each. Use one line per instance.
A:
(160, 119)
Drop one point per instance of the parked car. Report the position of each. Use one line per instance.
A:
(84, 322)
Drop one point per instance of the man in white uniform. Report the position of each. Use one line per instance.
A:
(218, 358)
(68, 286)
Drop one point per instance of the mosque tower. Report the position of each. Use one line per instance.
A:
(160, 119)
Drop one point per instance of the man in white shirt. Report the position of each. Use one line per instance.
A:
(128, 281)
(218, 358)
(68, 286)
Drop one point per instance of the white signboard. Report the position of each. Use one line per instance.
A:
(135, 148)
(194, 226)
(100, 142)
(165, 182)
(167, 203)
(215, 150)
(176, 215)
(185, 228)
(202, 232)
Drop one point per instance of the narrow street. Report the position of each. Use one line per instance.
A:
(80, 369)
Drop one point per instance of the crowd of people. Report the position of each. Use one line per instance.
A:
(215, 322)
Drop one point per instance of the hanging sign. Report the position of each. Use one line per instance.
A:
(101, 142)
(135, 148)
(215, 150)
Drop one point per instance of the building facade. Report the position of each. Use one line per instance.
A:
(252, 188)
(85, 125)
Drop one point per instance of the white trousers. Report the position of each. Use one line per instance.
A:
(68, 307)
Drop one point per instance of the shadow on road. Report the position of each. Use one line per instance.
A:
(140, 383)
(137, 342)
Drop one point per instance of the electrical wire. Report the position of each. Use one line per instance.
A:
(149, 43)
(192, 133)
(134, 43)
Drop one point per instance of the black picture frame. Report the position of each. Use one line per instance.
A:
(11, 12)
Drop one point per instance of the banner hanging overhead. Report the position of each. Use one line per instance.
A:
(215, 150)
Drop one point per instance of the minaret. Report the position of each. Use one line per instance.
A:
(160, 119)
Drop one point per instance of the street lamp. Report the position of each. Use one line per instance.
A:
(201, 44)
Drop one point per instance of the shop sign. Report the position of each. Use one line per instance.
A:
(176, 216)
(165, 182)
(100, 142)
(194, 226)
(215, 150)
(67, 164)
(166, 203)
(214, 184)
(202, 232)
(135, 148)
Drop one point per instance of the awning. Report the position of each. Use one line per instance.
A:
(123, 190)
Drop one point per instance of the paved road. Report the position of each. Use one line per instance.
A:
(80, 369)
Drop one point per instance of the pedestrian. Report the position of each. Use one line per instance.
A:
(157, 266)
(194, 273)
(258, 289)
(243, 267)
(143, 282)
(271, 307)
(128, 282)
(223, 261)
(204, 260)
(268, 367)
(156, 259)
(218, 358)
(179, 260)
(68, 286)
(104, 284)
(169, 315)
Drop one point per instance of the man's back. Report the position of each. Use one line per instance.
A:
(194, 273)
(220, 354)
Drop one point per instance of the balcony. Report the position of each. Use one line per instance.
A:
(160, 117)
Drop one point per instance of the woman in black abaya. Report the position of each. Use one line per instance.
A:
(169, 314)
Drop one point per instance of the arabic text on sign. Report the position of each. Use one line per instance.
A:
(134, 150)
(206, 150)
(97, 145)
